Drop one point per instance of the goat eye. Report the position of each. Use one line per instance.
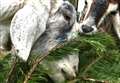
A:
(85, 2)
(75, 68)
(62, 71)
(67, 17)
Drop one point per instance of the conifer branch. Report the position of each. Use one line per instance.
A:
(38, 61)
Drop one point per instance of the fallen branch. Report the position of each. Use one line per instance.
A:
(94, 80)
(12, 71)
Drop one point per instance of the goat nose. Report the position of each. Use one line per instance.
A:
(86, 29)
(72, 77)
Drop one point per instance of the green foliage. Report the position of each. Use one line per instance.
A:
(4, 68)
(99, 59)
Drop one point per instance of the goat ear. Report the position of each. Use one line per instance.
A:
(116, 23)
(26, 27)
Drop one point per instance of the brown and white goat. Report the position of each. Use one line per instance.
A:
(96, 11)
